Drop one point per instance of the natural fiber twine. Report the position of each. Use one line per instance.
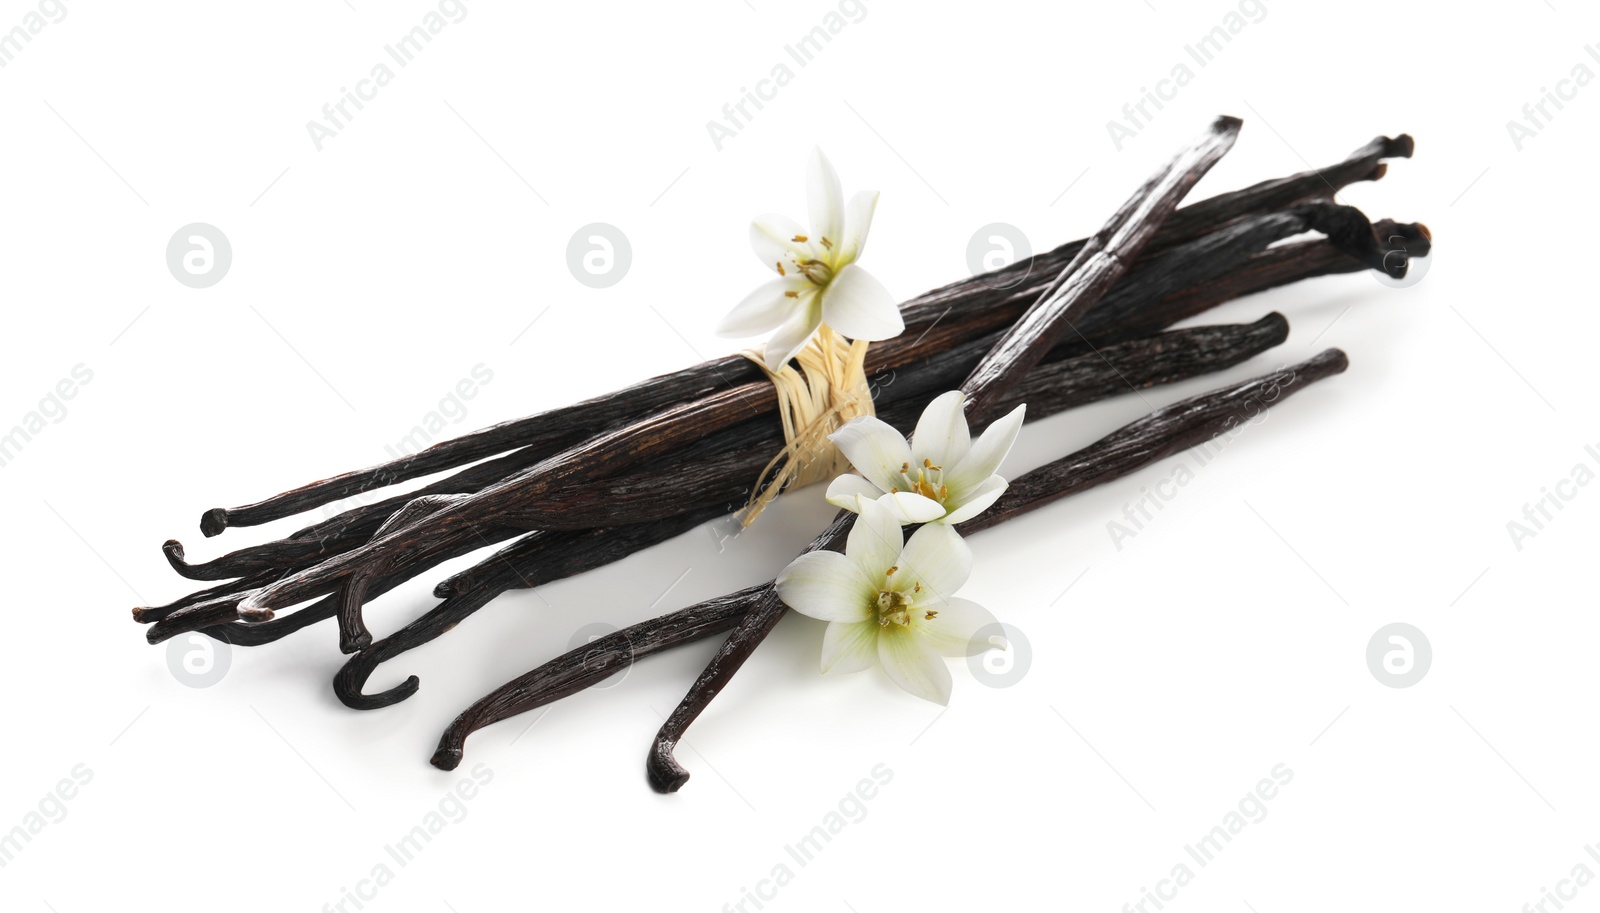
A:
(829, 389)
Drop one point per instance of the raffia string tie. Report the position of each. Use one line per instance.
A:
(829, 389)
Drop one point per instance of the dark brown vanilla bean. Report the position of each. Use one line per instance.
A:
(944, 307)
(592, 663)
(534, 560)
(270, 628)
(219, 610)
(1049, 389)
(1361, 244)
(148, 614)
(352, 592)
(347, 529)
(1104, 259)
(1158, 435)
(549, 431)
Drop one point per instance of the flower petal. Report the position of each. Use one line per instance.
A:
(850, 646)
(772, 236)
(909, 507)
(874, 542)
(825, 199)
(914, 664)
(988, 451)
(844, 489)
(978, 501)
(795, 332)
(765, 308)
(874, 448)
(857, 222)
(857, 305)
(826, 585)
(937, 558)
(942, 436)
(950, 632)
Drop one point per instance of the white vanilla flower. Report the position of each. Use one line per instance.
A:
(890, 601)
(818, 279)
(942, 476)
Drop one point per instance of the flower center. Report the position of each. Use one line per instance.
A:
(926, 480)
(817, 271)
(898, 607)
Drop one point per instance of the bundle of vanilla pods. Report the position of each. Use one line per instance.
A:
(1088, 320)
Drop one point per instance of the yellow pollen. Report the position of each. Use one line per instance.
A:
(780, 269)
(890, 571)
(791, 294)
(893, 608)
(826, 243)
(944, 492)
(905, 467)
(930, 615)
(801, 238)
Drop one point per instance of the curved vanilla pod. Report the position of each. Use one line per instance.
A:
(536, 559)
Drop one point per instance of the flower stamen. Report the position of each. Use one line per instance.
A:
(893, 608)
(816, 270)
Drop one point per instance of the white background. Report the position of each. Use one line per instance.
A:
(368, 278)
